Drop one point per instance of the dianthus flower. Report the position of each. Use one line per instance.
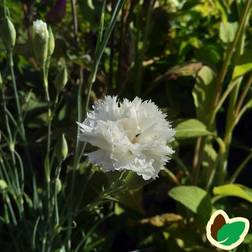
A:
(129, 135)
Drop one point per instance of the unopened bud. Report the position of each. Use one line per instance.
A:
(8, 33)
(3, 185)
(40, 37)
(58, 185)
(51, 42)
(1, 82)
(61, 148)
(61, 78)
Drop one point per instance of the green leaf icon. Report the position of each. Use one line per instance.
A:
(224, 232)
(230, 233)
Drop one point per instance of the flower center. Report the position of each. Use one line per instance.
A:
(135, 139)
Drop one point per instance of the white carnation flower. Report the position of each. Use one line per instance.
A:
(129, 136)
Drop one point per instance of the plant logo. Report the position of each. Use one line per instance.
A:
(226, 233)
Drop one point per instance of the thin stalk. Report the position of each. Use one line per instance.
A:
(100, 47)
(45, 83)
(139, 66)
(14, 219)
(20, 117)
(79, 111)
(229, 89)
(57, 176)
(7, 123)
(75, 21)
(8, 173)
(183, 166)
(228, 131)
(244, 94)
(231, 116)
(47, 164)
(229, 54)
(196, 161)
(241, 167)
(241, 112)
(235, 48)
(34, 233)
(4, 174)
(94, 69)
(171, 176)
(11, 64)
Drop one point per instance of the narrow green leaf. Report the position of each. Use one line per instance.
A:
(191, 128)
(90, 4)
(243, 64)
(235, 190)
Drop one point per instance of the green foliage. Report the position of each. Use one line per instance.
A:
(203, 92)
(191, 128)
(234, 190)
(243, 64)
(194, 198)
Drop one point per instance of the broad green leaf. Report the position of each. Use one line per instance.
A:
(183, 70)
(203, 92)
(227, 31)
(235, 190)
(194, 198)
(191, 128)
(243, 64)
(230, 233)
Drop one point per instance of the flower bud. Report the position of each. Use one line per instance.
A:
(61, 78)
(61, 148)
(51, 42)
(40, 37)
(58, 185)
(1, 82)
(8, 33)
(3, 185)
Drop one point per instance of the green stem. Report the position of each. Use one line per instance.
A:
(47, 164)
(11, 210)
(57, 176)
(241, 167)
(235, 48)
(196, 160)
(229, 54)
(141, 55)
(228, 131)
(244, 94)
(11, 64)
(20, 117)
(100, 47)
(79, 111)
(7, 123)
(229, 89)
